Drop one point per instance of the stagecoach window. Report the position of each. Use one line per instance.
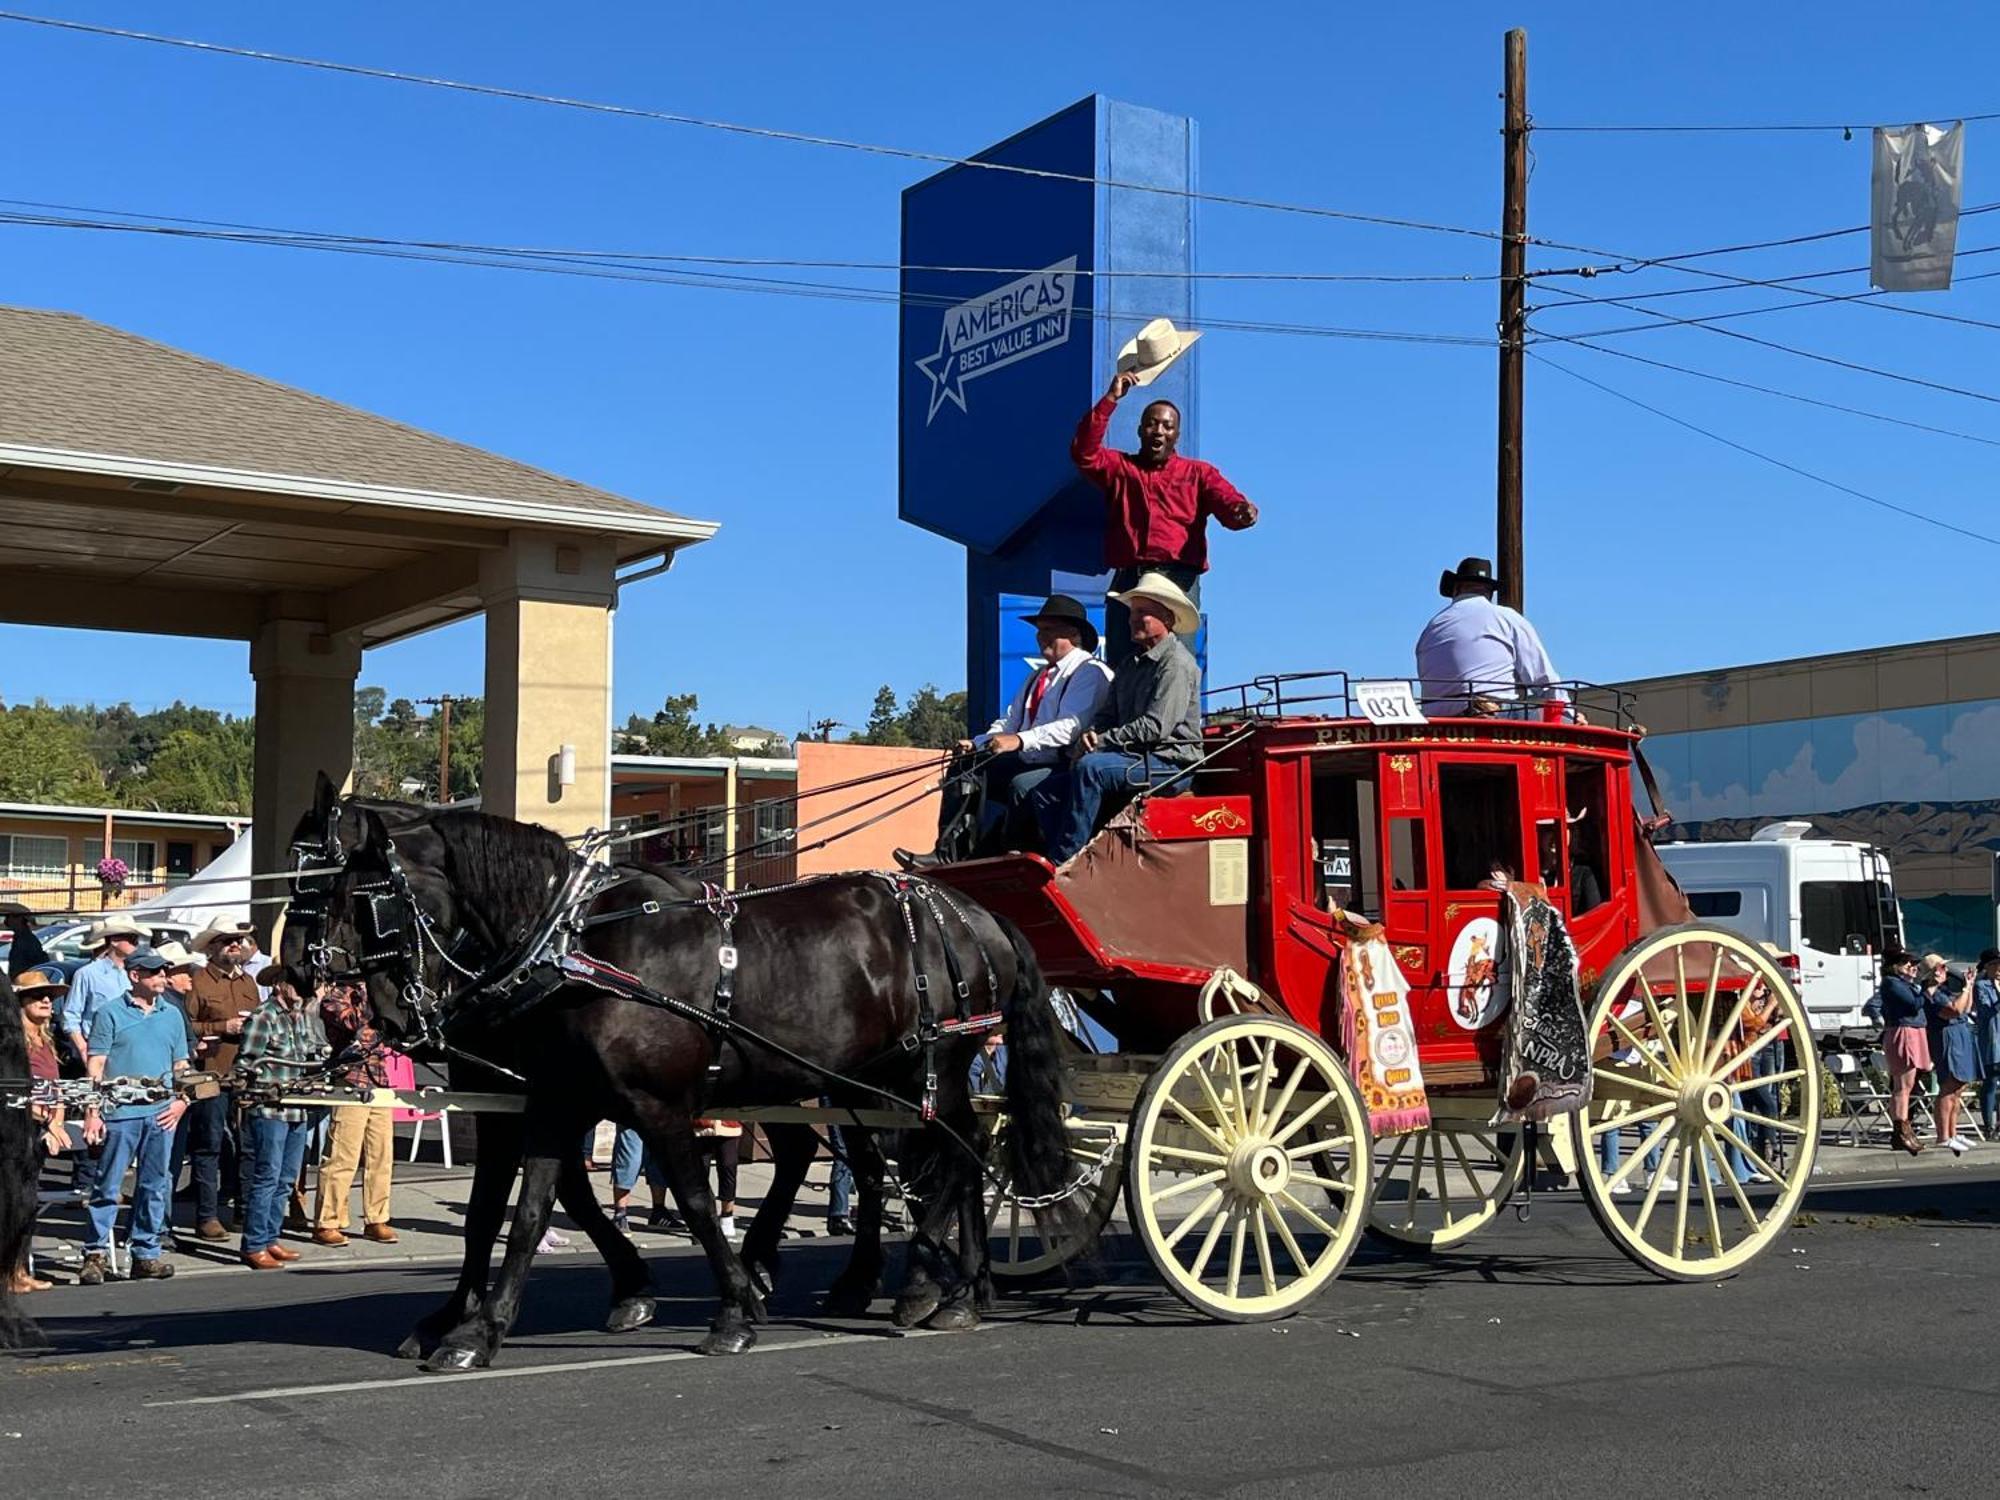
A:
(1408, 867)
(1479, 808)
(1589, 826)
(1347, 864)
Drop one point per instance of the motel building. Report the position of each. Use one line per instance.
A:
(49, 854)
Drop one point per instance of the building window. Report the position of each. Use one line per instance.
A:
(771, 822)
(138, 855)
(34, 858)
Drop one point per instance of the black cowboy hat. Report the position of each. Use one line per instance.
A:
(1469, 570)
(1060, 609)
(1988, 956)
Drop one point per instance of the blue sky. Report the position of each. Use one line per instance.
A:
(1650, 549)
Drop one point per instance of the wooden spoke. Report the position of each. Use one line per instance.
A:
(1265, 1270)
(1188, 1185)
(1437, 1163)
(1202, 1210)
(1224, 1115)
(1621, 1083)
(1304, 1118)
(1200, 1127)
(1762, 1042)
(1325, 1184)
(1307, 1214)
(1765, 1120)
(1237, 1227)
(1465, 1166)
(1686, 1007)
(1267, 1058)
(1712, 1059)
(1644, 1051)
(1668, 1153)
(1660, 1030)
(1269, 1211)
(1692, 1164)
(1756, 1158)
(1633, 1117)
(1395, 1155)
(1208, 1242)
(1742, 1198)
(1285, 1094)
(1769, 1078)
(1699, 1051)
(1646, 1144)
(1708, 1188)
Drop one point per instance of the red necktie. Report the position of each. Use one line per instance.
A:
(1040, 687)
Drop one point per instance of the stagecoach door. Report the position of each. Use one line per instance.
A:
(1484, 809)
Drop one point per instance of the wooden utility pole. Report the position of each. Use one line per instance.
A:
(443, 704)
(1513, 316)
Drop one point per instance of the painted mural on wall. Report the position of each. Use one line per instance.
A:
(1923, 784)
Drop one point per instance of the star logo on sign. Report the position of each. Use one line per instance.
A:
(946, 378)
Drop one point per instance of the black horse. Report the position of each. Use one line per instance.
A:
(825, 988)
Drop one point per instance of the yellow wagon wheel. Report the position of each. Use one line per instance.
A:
(1437, 1186)
(1680, 1030)
(1015, 1245)
(1246, 1175)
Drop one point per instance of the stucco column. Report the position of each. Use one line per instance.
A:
(548, 600)
(305, 725)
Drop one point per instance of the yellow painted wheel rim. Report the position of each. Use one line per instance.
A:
(1016, 1248)
(1671, 1085)
(1247, 1171)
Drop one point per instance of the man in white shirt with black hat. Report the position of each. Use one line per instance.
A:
(1477, 656)
(1053, 707)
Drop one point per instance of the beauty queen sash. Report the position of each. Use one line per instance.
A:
(1381, 1043)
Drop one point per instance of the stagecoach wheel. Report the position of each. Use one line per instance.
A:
(1676, 1072)
(1015, 1245)
(1246, 1175)
(1437, 1186)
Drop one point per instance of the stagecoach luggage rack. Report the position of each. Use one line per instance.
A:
(1331, 695)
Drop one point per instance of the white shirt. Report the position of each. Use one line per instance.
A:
(1474, 647)
(1069, 705)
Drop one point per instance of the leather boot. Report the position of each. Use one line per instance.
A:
(210, 1229)
(1907, 1138)
(262, 1260)
(281, 1252)
(381, 1234)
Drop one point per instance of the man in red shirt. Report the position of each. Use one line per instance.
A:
(1157, 504)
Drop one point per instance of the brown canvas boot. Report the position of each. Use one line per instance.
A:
(331, 1237)
(159, 1268)
(93, 1272)
(381, 1234)
(210, 1229)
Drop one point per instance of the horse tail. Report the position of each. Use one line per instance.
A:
(1037, 1140)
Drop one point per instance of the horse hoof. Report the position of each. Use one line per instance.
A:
(913, 1307)
(953, 1317)
(633, 1312)
(849, 1301)
(736, 1339)
(416, 1346)
(453, 1360)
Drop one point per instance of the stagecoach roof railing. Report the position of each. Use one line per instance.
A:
(1335, 695)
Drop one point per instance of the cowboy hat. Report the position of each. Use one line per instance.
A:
(217, 931)
(1469, 570)
(42, 981)
(178, 957)
(1157, 345)
(104, 929)
(1060, 609)
(1159, 589)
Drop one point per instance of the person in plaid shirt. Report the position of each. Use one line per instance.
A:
(362, 1135)
(282, 1041)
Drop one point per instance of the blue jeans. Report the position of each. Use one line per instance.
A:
(1764, 1101)
(629, 1157)
(1009, 785)
(205, 1128)
(840, 1183)
(280, 1152)
(1067, 804)
(147, 1148)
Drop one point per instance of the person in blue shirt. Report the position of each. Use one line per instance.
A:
(1954, 1051)
(1986, 1027)
(137, 1035)
(114, 939)
(1905, 1040)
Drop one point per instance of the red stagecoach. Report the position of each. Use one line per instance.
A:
(1206, 932)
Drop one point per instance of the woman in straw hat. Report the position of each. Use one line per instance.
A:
(49, 1059)
(1157, 503)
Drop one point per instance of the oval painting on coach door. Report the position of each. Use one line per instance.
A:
(1475, 988)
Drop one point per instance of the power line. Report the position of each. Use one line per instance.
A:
(1811, 299)
(1847, 127)
(715, 281)
(1707, 326)
(760, 132)
(1789, 468)
(1775, 283)
(169, 224)
(1768, 390)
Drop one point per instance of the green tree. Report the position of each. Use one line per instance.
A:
(368, 704)
(193, 771)
(885, 723)
(45, 757)
(933, 720)
(675, 730)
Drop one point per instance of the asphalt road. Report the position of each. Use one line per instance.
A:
(1854, 1359)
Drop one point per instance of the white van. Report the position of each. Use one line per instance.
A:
(1827, 903)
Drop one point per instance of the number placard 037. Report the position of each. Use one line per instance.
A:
(1387, 703)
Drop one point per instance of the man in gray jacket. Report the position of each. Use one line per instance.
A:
(1148, 731)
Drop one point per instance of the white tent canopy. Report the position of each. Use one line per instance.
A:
(220, 893)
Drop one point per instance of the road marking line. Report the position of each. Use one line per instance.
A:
(280, 1393)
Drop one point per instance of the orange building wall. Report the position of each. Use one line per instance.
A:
(912, 827)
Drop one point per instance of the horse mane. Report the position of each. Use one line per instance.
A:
(502, 869)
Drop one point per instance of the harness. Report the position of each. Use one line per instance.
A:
(397, 938)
